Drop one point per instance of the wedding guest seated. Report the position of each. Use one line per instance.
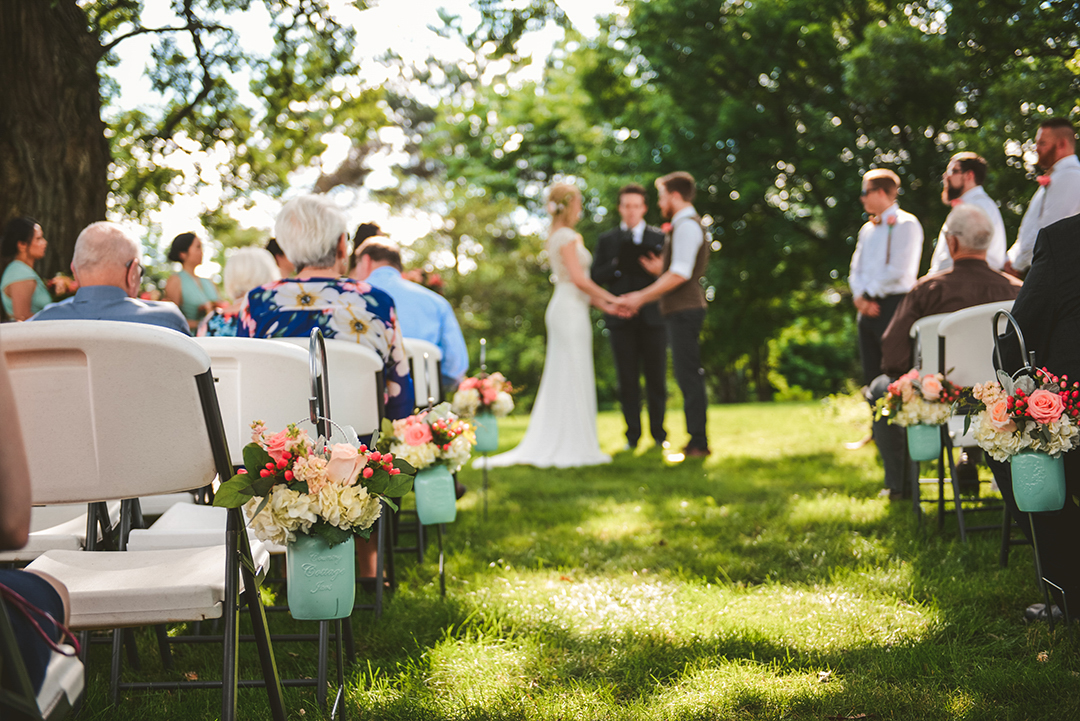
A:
(422, 313)
(285, 267)
(106, 265)
(970, 281)
(245, 269)
(42, 591)
(195, 296)
(312, 232)
(21, 289)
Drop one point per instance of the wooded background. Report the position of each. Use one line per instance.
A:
(775, 106)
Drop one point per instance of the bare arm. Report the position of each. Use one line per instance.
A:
(20, 292)
(14, 471)
(599, 297)
(172, 289)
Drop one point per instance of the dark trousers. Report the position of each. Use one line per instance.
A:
(639, 347)
(683, 328)
(891, 441)
(1057, 532)
(870, 332)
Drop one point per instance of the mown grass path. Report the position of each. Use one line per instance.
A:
(767, 582)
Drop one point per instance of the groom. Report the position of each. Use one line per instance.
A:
(637, 342)
(681, 268)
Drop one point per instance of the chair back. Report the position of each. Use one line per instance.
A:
(113, 410)
(424, 364)
(966, 343)
(924, 342)
(257, 379)
(355, 373)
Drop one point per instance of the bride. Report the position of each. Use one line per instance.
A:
(562, 427)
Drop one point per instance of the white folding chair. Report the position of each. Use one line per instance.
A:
(356, 383)
(965, 353)
(924, 342)
(140, 415)
(61, 527)
(425, 360)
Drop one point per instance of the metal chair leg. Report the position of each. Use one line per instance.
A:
(442, 563)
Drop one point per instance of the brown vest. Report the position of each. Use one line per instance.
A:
(689, 295)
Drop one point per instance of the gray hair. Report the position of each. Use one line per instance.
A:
(104, 242)
(971, 226)
(248, 268)
(308, 229)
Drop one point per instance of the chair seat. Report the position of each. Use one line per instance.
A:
(157, 505)
(58, 527)
(118, 589)
(956, 433)
(185, 525)
(64, 679)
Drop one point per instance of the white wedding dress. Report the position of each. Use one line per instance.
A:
(562, 427)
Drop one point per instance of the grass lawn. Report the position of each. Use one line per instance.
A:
(767, 582)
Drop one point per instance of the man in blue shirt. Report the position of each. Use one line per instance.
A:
(421, 313)
(106, 265)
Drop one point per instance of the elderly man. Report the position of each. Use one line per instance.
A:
(963, 183)
(1058, 195)
(421, 313)
(970, 281)
(106, 264)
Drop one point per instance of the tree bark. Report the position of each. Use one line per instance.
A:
(54, 158)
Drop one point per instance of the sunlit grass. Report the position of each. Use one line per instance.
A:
(766, 582)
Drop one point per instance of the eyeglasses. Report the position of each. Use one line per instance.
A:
(127, 265)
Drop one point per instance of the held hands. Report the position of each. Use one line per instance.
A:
(627, 306)
(867, 307)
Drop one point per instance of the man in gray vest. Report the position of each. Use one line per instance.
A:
(681, 268)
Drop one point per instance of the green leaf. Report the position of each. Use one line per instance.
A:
(405, 467)
(390, 502)
(232, 493)
(256, 458)
(378, 482)
(399, 485)
(331, 534)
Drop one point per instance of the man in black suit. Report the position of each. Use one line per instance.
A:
(1048, 313)
(638, 343)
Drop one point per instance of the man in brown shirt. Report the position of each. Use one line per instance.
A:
(968, 232)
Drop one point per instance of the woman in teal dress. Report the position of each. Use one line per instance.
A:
(196, 296)
(21, 289)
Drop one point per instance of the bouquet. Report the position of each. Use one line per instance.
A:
(293, 485)
(1028, 414)
(430, 437)
(490, 393)
(914, 400)
(62, 286)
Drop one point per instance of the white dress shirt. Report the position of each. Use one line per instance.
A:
(1060, 199)
(886, 258)
(995, 254)
(637, 233)
(686, 239)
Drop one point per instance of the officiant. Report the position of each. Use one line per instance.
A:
(638, 343)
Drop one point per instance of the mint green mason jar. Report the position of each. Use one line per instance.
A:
(321, 579)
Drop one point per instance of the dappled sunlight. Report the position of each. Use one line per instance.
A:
(478, 669)
(728, 688)
(618, 521)
(830, 509)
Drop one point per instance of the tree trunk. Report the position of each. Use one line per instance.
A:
(54, 158)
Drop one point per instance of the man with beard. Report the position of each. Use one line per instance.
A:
(963, 183)
(1058, 195)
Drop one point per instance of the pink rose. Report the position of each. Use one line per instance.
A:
(489, 395)
(1044, 406)
(469, 383)
(891, 220)
(931, 388)
(344, 464)
(1000, 418)
(277, 445)
(1043, 180)
(417, 434)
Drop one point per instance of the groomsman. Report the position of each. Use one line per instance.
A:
(963, 183)
(1058, 195)
(637, 342)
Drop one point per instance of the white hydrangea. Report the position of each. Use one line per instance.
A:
(504, 403)
(466, 402)
(917, 410)
(1063, 436)
(420, 456)
(1002, 445)
(285, 514)
(358, 509)
(460, 450)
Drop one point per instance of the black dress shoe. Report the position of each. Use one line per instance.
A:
(1037, 612)
(459, 489)
(967, 476)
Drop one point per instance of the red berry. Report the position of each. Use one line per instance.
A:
(270, 466)
(289, 475)
(264, 473)
(368, 473)
(242, 470)
(281, 464)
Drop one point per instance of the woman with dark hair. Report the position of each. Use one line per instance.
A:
(21, 289)
(196, 296)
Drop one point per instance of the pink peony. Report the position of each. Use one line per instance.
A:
(417, 434)
(1000, 418)
(278, 444)
(931, 388)
(1044, 406)
(344, 464)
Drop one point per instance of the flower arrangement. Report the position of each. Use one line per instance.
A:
(1028, 414)
(914, 400)
(62, 286)
(485, 393)
(430, 437)
(293, 485)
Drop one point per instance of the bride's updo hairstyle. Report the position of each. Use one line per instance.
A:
(559, 197)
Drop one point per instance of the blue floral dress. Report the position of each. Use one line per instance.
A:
(341, 308)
